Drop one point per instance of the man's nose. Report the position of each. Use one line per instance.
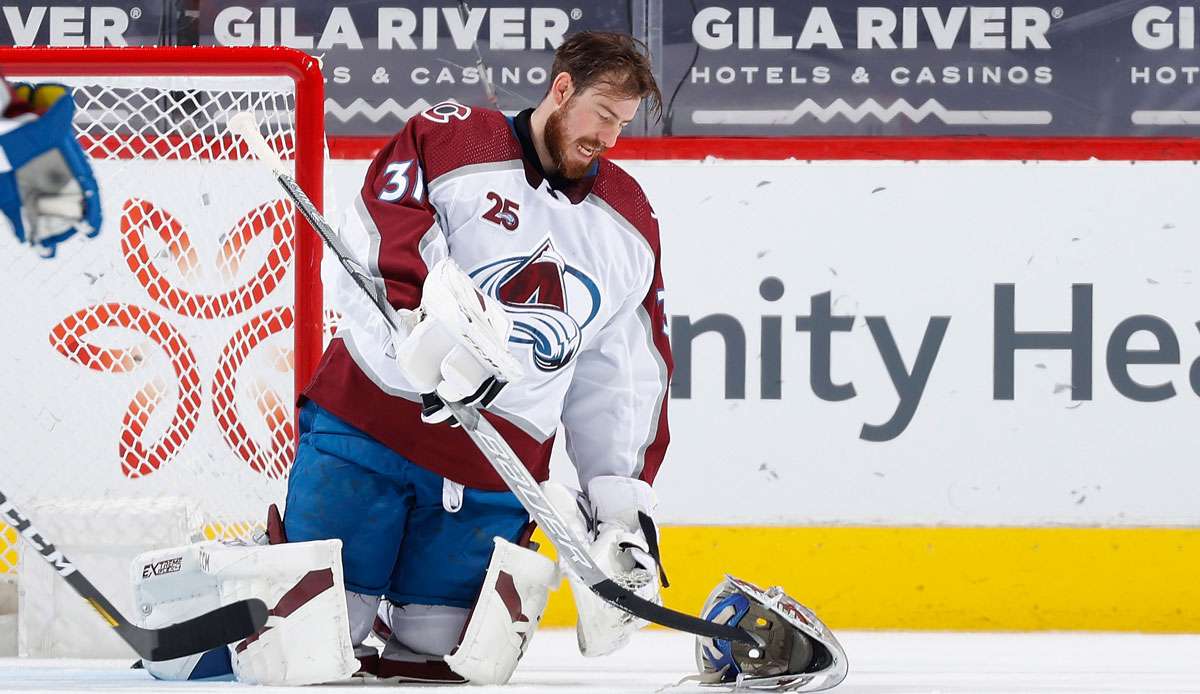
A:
(608, 136)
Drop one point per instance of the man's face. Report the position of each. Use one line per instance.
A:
(585, 125)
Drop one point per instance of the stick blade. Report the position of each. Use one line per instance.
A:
(222, 626)
(665, 616)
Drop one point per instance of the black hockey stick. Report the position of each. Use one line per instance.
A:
(493, 446)
(210, 630)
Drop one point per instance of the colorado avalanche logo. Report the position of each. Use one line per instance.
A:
(549, 301)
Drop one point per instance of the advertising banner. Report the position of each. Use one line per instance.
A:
(772, 67)
(995, 343)
(962, 343)
(83, 23)
(385, 62)
(1044, 67)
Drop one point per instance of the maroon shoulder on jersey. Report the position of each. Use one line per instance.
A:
(451, 136)
(622, 193)
(395, 191)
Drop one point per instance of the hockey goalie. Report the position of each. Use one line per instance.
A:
(524, 277)
(524, 270)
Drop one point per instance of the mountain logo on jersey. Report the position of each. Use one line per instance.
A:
(549, 301)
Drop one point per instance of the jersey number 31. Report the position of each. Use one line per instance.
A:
(398, 182)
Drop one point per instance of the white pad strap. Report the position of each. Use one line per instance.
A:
(514, 595)
(361, 610)
(417, 638)
(307, 636)
(426, 629)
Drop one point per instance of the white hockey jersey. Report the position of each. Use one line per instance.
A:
(576, 265)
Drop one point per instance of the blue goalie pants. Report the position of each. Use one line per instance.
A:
(398, 539)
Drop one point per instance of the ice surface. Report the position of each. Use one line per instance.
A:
(880, 662)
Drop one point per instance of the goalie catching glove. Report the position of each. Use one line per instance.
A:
(457, 351)
(616, 514)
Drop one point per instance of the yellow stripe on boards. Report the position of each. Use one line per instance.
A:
(939, 578)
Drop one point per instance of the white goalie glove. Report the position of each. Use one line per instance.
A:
(457, 350)
(617, 515)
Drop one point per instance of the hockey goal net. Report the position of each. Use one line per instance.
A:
(160, 360)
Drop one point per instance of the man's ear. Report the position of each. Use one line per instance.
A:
(562, 88)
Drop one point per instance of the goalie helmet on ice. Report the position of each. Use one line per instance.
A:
(796, 651)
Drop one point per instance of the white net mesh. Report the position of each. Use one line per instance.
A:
(156, 359)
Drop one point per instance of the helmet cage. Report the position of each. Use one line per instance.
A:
(795, 651)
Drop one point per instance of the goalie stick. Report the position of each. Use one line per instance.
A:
(464, 13)
(213, 629)
(489, 441)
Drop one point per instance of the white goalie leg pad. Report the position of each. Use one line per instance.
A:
(619, 548)
(514, 595)
(307, 636)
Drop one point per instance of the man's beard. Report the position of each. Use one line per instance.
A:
(559, 146)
